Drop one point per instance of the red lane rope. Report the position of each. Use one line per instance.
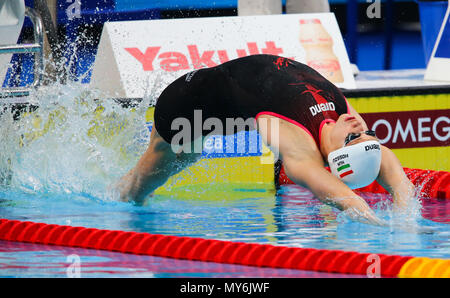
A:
(252, 254)
(432, 184)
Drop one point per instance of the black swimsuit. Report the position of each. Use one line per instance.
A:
(247, 88)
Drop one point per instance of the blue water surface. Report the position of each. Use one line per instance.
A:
(291, 217)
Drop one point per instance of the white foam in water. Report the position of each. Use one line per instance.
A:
(65, 146)
(405, 220)
(68, 145)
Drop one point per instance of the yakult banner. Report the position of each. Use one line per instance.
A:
(137, 58)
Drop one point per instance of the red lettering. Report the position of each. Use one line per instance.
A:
(145, 59)
(281, 62)
(271, 49)
(252, 48)
(223, 56)
(197, 60)
(241, 53)
(173, 61)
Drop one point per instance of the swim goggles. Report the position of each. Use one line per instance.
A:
(352, 136)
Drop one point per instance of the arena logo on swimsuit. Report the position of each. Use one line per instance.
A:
(322, 107)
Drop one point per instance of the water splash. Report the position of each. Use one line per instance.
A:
(407, 220)
(73, 142)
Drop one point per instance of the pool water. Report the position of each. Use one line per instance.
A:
(292, 217)
(57, 165)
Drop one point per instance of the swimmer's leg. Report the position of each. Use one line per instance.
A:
(153, 169)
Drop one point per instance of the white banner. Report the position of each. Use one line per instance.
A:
(12, 14)
(438, 68)
(136, 58)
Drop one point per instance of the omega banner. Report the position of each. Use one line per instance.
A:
(411, 129)
(140, 58)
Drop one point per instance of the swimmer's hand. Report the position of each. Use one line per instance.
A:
(128, 189)
(357, 209)
(365, 216)
(123, 187)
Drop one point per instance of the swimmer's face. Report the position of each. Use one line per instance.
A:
(345, 125)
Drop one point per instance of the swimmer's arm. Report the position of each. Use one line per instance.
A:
(303, 164)
(330, 190)
(153, 169)
(393, 178)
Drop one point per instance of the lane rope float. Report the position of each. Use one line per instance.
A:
(228, 252)
(431, 184)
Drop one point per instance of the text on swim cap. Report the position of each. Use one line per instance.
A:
(371, 147)
(342, 156)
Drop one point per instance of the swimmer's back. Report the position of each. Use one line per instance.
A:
(244, 88)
